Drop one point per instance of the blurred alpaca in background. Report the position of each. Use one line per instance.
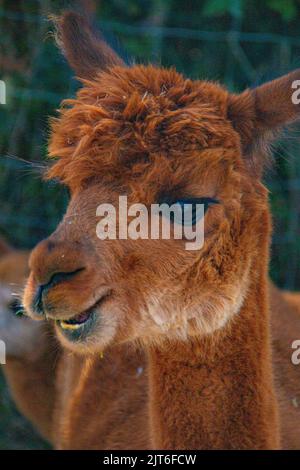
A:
(28, 347)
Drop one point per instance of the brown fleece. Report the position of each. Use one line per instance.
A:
(202, 317)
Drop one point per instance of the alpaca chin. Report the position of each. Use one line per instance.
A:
(100, 337)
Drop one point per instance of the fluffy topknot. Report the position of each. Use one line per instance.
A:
(124, 118)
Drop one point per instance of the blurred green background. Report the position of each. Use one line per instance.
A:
(240, 43)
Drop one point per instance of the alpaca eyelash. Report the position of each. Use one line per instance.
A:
(192, 204)
(199, 200)
(207, 201)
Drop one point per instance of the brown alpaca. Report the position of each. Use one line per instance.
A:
(29, 346)
(201, 317)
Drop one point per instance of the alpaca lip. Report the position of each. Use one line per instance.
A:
(81, 319)
(76, 322)
(78, 328)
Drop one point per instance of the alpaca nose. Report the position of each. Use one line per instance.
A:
(52, 263)
(43, 289)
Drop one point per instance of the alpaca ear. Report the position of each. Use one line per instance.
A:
(4, 247)
(260, 113)
(85, 50)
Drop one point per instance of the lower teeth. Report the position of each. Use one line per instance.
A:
(70, 326)
(76, 322)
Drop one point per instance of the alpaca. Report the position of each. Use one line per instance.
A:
(285, 325)
(29, 346)
(204, 376)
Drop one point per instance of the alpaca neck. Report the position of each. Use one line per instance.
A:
(217, 392)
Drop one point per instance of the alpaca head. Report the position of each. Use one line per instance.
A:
(153, 136)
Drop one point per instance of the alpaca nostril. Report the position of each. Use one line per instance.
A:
(42, 289)
(59, 277)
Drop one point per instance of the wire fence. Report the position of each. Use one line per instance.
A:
(37, 79)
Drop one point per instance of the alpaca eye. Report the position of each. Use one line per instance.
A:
(16, 308)
(190, 210)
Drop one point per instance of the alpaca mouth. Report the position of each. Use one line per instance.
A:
(78, 328)
(76, 322)
(81, 321)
